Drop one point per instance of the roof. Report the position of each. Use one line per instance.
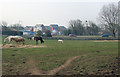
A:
(54, 26)
(29, 26)
(13, 29)
(63, 28)
(38, 25)
(48, 27)
(26, 31)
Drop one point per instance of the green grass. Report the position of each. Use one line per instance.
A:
(56, 54)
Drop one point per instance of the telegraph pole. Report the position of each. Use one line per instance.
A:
(19, 23)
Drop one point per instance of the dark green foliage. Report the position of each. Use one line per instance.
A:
(39, 33)
(48, 33)
(67, 32)
(12, 33)
(5, 28)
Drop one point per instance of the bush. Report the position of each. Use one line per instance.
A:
(39, 33)
(48, 33)
(12, 33)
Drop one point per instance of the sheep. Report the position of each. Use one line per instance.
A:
(60, 41)
(33, 38)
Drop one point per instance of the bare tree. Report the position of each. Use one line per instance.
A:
(76, 27)
(94, 28)
(4, 23)
(4, 26)
(109, 17)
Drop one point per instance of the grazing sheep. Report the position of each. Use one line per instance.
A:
(61, 41)
(32, 38)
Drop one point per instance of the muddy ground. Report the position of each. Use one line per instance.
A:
(21, 46)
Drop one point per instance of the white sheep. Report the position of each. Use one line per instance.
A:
(60, 41)
(33, 38)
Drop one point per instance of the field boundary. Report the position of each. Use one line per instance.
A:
(81, 38)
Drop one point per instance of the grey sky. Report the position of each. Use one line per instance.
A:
(32, 12)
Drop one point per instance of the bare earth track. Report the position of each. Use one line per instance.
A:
(54, 71)
(32, 68)
(34, 71)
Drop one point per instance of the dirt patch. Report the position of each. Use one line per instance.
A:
(54, 71)
(33, 70)
(21, 46)
(106, 41)
(0, 46)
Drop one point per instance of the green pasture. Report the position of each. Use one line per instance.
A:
(91, 55)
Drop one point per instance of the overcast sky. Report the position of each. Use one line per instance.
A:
(31, 12)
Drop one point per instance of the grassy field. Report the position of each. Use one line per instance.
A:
(92, 58)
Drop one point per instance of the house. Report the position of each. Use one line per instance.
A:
(62, 29)
(54, 26)
(12, 29)
(28, 32)
(54, 32)
(40, 27)
(29, 27)
(48, 28)
(55, 29)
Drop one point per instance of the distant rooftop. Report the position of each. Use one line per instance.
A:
(63, 27)
(54, 26)
(29, 26)
(38, 25)
(48, 27)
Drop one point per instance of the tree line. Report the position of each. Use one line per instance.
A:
(78, 28)
(108, 19)
(6, 30)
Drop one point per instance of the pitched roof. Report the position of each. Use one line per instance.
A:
(48, 27)
(29, 26)
(39, 25)
(63, 27)
(13, 29)
(54, 26)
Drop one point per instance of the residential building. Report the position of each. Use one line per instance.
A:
(48, 28)
(28, 32)
(61, 30)
(55, 29)
(12, 29)
(38, 27)
(29, 27)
